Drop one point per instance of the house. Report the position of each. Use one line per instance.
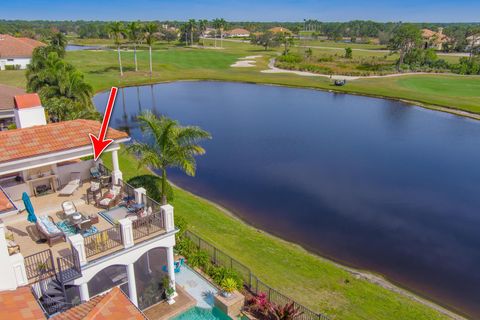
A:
(473, 41)
(93, 232)
(16, 53)
(238, 32)
(434, 40)
(280, 30)
(7, 94)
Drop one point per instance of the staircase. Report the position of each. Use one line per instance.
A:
(53, 293)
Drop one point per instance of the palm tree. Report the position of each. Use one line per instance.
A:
(192, 24)
(116, 31)
(149, 35)
(135, 35)
(172, 145)
(216, 25)
(202, 25)
(222, 25)
(59, 42)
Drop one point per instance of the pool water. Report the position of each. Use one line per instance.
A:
(198, 313)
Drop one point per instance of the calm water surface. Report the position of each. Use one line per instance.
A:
(373, 183)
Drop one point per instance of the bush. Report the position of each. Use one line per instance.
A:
(153, 185)
(290, 58)
(13, 67)
(185, 247)
(219, 274)
(199, 259)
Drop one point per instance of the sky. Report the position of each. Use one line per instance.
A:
(245, 10)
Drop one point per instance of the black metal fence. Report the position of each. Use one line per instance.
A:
(69, 267)
(251, 281)
(39, 266)
(152, 223)
(103, 241)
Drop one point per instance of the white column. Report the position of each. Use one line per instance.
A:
(116, 173)
(84, 294)
(171, 269)
(139, 193)
(132, 286)
(78, 243)
(127, 232)
(167, 211)
(7, 274)
(18, 264)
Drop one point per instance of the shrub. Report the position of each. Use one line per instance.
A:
(153, 185)
(199, 259)
(259, 304)
(185, 247)
(286, 312)
(290, 58)
(229, 285)
(218, 274)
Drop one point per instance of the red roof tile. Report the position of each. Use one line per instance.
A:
(5, 204)
(20, 304)
(53, 137)
(7, 95)
(27, 100)
(11, 47)
(110, 306)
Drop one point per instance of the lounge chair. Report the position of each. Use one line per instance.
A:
(111, 198)
(69, 208)
(72, 185)
(47, 228)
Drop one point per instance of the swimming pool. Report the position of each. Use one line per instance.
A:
(198, 313)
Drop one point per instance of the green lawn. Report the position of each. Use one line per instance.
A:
(313, 281)
(15, 78)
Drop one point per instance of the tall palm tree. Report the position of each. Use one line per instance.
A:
(116, 31)
(222, 25)
(192, 25)
(149, 35)
(134, 30)
(59, 42)
(217, 23)
(202, 26)
(172, 145)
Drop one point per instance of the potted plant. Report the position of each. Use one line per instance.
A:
(229, 285)
(169, 290)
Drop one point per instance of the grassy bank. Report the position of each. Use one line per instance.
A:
(313, 281)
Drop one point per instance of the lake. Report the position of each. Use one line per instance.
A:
(75, 47)
(372, 183)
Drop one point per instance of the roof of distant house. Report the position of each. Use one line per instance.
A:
(7, 95)
(440, 37)
(20, 304)
(279, 29)
(53, 137)
(11, 47)
(238, 31)
(112, 305)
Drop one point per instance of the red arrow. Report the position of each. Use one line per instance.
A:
(99, 144)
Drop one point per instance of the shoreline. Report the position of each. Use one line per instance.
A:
(370, 276)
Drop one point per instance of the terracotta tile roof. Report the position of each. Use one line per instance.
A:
(7, 95)
(53, 137)
(11, 47)
(237, 31)
(5, 204)
(440, 37)
(110, 306)
(27, 100)
(20, 304)
(279, 29)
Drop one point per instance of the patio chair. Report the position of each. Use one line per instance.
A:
(85, 225)
(72, 185)
(111, 198)
(49, 231)
(69, 208)
(94, 173)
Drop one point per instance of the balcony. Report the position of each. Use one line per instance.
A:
(103, 239)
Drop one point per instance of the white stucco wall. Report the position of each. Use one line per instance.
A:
(22, 62)
(83, 167)
(29, 117)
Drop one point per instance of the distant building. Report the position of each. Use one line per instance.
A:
(280, 30)
(16, 52)
(7, 104)
(434, 40)
(473, 41)
(238, 32)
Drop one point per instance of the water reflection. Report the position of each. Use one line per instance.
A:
(373, 183)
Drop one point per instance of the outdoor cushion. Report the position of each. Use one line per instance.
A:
(94, 186)
(105, 201)
(48, 225)
(110, 196)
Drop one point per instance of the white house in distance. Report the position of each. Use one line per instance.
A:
(238, 32)
(16, 53)
(94, 233)
(473, 41)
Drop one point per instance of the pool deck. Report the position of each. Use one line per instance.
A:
(164, 311)
(197, 286)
